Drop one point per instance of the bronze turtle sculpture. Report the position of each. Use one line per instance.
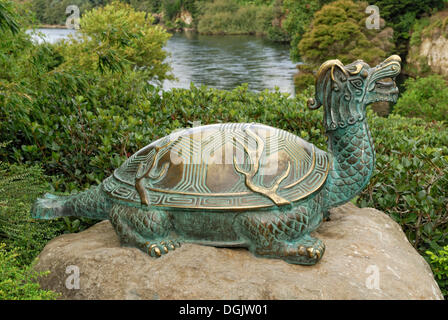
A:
(240, 184)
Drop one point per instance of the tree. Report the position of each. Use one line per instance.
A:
(117, 37)
(338, 31)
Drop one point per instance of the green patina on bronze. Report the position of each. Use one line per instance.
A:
(240, 184)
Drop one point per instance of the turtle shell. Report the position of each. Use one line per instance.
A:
(223, 166)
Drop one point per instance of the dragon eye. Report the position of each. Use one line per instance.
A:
(357, 83)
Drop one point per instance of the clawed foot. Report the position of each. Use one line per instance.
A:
(157, 249)
(305, 252)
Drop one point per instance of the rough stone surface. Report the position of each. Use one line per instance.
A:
(361, 244)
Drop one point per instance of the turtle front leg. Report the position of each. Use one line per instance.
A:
(147, 230)
(282, 235)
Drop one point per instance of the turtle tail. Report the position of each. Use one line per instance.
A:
(91, 203)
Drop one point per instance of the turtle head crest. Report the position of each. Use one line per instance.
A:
(345, 91)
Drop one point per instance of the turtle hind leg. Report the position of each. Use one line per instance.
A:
(282, 235)
(147, 230)
(305, 250)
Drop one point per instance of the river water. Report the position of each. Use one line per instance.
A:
(221, 62)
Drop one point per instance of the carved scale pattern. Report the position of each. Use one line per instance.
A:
(354, 161)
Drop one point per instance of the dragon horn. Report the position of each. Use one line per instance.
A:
(330, 64)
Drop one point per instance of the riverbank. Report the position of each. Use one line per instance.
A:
(219, 17)
(172, 30)
(52, 26)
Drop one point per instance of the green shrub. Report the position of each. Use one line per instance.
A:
(52, 94)
(439, 264)
(304, 78)
(425, 98)
(17, 283)
(411, 177)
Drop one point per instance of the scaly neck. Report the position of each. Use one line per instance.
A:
(353, 163)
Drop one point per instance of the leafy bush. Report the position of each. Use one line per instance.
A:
(17, 283)
(411, 178)
(304, 78)
(439, 264)
(425, 98)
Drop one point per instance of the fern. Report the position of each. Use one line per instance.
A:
(19, 187)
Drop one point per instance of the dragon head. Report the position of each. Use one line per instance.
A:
(345, 91)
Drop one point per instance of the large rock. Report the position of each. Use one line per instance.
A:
(367, 257)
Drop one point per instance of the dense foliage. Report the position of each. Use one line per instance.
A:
(338, 31)
(425, 29)
(401, 16)
(43, 86)
(230, 17)
(439, 263)
(18, 283)
(411, 178)
(298, 20)
(7, 21)
(425, 98)
(116, 34)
